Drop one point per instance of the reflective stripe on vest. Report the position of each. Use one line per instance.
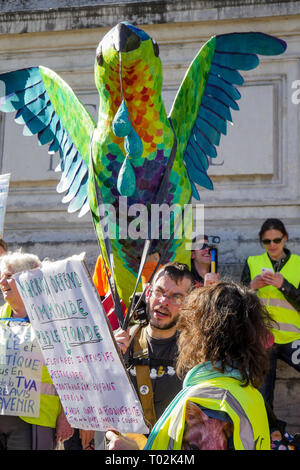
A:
(283, 304)
(220, 394)
(277, 303)
(48, 389)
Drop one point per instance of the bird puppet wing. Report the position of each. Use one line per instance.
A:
(47, 106)
(202, 105)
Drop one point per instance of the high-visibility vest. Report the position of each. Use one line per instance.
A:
(50, 406)
(244, 405)
(287, 317)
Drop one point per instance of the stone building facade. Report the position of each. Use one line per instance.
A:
(257, 172)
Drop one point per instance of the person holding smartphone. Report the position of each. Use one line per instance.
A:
(275, 275)
(201, 263)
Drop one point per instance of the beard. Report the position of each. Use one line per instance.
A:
(156, 324)
(167, 326)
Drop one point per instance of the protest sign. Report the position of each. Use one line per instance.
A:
(21, 363)
(79, 348)
(4, 185)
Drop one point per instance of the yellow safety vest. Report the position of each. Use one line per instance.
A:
(244, 405)
(286, 316)
(50, 406)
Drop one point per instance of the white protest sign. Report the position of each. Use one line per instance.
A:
(21, 363)
(4, 185)
(78, 347)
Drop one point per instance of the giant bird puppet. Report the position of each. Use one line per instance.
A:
(135, 150)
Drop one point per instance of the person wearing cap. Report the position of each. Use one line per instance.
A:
(201, 263)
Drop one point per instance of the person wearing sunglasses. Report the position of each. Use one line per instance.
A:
(275, 275)
(201, 263)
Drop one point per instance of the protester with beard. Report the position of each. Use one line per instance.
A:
(151, 354)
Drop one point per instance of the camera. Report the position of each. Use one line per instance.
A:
(139, 309)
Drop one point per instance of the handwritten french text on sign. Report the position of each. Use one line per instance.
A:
(78, 347)
(20, 370)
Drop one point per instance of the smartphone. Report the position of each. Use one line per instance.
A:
(267, 270)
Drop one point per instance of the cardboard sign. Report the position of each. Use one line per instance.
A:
(4, 185)
(20, 370)
(79, 347)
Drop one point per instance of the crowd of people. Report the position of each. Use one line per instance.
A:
(203, 361)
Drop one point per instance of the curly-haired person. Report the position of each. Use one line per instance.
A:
(222, 355)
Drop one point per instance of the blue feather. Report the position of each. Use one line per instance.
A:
(204, 143)
(198, 176)
(199, 158)
(217, 107)
(46, 135)
(54, 147)
(228, 74)
(25, 115)
(20, 79)
(195, 192)
(85, 207)
(26, 94)
(258, 43)
(236, 61)
(35, 125)
(32, 109)
(75, 182)
(67, 178)
(211, 132)
(210, 116)
(220, 95)
(225, 86)
(15, 101)
(70, 157)
(80, 196)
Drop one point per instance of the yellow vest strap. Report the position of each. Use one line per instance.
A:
(143, 377)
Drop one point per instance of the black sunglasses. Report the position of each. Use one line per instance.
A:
(205, 245)
(267, 241)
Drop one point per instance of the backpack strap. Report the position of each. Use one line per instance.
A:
(145, 392)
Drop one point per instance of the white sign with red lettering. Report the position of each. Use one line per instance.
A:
(79, 348)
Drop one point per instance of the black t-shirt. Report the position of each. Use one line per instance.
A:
(165, 383)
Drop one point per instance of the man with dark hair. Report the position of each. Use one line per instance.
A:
(152, 352)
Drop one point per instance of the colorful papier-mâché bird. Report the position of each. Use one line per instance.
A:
(125, 155)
